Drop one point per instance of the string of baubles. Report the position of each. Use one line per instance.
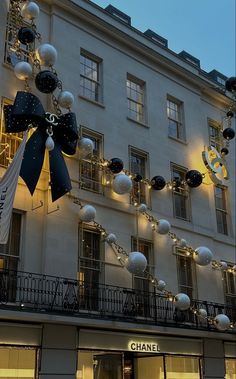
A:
(201, 255)
(45, 55)
(136, 263)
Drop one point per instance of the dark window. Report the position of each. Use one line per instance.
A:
(221, 210)
(186, 274)
(135, 98)
(175, 119)
(138, 165)
(90, 76)
(181, 200)
(215, 136)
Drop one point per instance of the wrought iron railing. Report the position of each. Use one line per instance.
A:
(35, 292)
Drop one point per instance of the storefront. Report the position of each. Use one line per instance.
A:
(230, 360)
(19, 351)
(108, 355)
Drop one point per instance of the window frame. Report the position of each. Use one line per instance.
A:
(183, 191)
(143, 196)
(97, 98)
(222, 211)
(215, 141)
(150, 260)
(180, 134)
(193, 287)
(137, 82)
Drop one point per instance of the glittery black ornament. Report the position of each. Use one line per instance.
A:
(158, 182)
(46, 81)
(138, 178)
(230, 84)
(116, 165)
(193, 178)
(230, 114)
(224, 151)
(228, 133)
(26, 35)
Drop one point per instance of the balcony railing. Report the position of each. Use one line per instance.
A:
(43, 293)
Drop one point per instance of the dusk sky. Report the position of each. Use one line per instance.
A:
(204, 28)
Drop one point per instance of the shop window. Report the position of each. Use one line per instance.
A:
(215, 135)
(141, 284)
(90, 174)
(230, 368)
(90, 273)
(139, 164)
(90, 76)
(175, 118)
(9, 258)
(17, 363)
(9, 143)
(99, 365)
(181, 198)
(135, 97)
(221, 210)
(149, 367)
(182, 367)
(186, 274)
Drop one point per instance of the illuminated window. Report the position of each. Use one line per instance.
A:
(175, 119)
(9, 143)
(215, 135)
(181, 199)
(221, 210)
(17, 363)
(90, 174)
(91, 268)
(182, 368)
(14, 50)
(135, 98)
(186, 274)
(139, 165)
(230, 367)
(90, 67)
(9, 258)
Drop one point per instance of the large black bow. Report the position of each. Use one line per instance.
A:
(27, 111)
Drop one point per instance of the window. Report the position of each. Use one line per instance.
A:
(230, 368)
(186, 274)
(175, 119)
(9, 258)
(9, 143)
(215, 138)
(17, 363)
(221, 210)
(230, 292)
(14, 50)
(135, 97)
(139, 165)
(181, 200)
(90, 272)
(141, 283)
(182, 367)
(90, 174)
(90, 86)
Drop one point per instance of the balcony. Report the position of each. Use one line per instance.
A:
(56, 295)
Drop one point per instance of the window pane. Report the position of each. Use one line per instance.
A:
(149, 367)
(135, 99)
(17, 363)
(89, 77)
(230, 366)
(182, 367)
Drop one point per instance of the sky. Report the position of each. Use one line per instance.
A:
(204, 28)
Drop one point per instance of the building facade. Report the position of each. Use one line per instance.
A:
(68, 306)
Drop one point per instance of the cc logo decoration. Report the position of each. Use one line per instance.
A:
(216, 165)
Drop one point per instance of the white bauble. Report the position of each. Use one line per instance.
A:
(111, 238)
(223, 265)
(30, 10)
(46, 54)
(182, 301)
(49, 144)
(202, 256)
(161, 285)
(222, 322)
(86, 147)
(23, 70)
(142, 208)
(87, 213)
(122, 184)
(202, 312)
(66, 99)
(183, 243)
(163, 227)
(136, 263)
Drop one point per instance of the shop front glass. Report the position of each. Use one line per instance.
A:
(17, 363)
(109, 365)
(230, 368)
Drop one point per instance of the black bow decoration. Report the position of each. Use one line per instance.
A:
(27, 111)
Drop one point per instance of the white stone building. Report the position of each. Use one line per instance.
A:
(68, 307)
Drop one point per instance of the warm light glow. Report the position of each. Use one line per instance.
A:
(16, 373)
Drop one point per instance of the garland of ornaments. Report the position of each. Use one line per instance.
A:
(136, 263)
